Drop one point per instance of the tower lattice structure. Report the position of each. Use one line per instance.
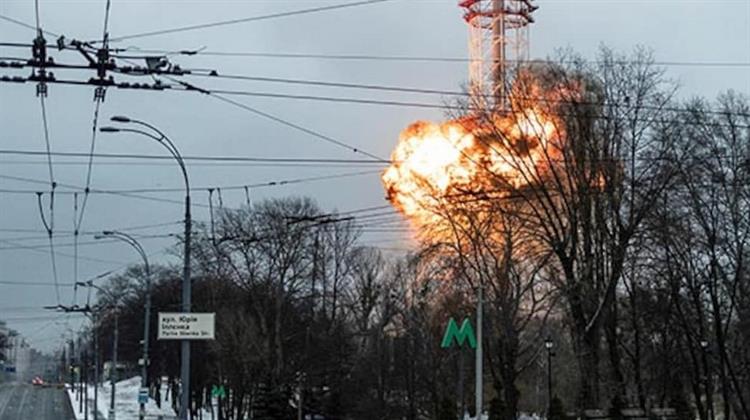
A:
(498, 40)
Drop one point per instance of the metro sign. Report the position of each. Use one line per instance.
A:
(459, 335)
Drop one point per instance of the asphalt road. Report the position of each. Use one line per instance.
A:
(26, 402)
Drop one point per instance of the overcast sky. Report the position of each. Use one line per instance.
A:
(707, 31)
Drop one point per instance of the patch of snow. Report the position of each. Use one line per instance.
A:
(126, 402)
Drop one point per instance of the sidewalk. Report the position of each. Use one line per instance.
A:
(126, 402)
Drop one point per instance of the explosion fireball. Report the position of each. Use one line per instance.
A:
(434, 161)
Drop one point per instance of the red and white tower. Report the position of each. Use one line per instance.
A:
(498, 39)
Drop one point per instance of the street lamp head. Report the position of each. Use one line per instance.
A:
(548, 343)
(120, 119)
(109, 130)
(704, 344)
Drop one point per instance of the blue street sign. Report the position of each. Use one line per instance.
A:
(143, 396)
(10, 369)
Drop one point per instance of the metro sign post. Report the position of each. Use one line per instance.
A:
(459, 335)
(186, 326)
(463, 335)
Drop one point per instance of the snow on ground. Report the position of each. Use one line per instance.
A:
(522, 416)
(126, 402)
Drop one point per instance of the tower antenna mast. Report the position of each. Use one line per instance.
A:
(498, 39)
(495, 26)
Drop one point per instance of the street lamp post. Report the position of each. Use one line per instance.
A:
(147, 315)
(162, 139)
(549, 345)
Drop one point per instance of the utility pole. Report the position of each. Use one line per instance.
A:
(549, 345)
(96, 367)
(86, 310)
(113, 373)
(479, 394)
(85, 381)
(462, 399)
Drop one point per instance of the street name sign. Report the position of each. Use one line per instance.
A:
(186, 326)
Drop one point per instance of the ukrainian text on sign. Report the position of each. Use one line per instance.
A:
(186, 326)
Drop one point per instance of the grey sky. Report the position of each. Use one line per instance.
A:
(685, 31)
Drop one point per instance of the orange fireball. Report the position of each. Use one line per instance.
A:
(435, 163)
(430, 159)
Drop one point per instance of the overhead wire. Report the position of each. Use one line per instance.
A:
(75, 248)
(297, 127)
(217, 93)
(26, 25)
(408, 58)
(33, 283)
(239, 159)
(446, 106)
(218, 164)
(231, 187)
(92, 232)
(93, 242)
(246, 19)
(404, 89)
(100, 92)
(57, 253)
(42, 93)
(181, 86)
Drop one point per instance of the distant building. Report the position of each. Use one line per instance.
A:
(4, 336)
(15, 353)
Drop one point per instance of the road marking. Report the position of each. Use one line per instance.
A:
(21, 410)
(9, 396)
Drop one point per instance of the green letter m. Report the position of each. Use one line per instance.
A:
(461, 335)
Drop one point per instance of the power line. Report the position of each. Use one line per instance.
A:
(335, 99)
(404, 90)
(239, 159)
(216, 75)
(241, 187)
(57, 253)
(247, 19)
(467, 107)
(296, 126)
(40, 55)
(94, 242)
(33, 283)
(92, 232)
(408, 58)
(34, 318)
(73, 186)
(99, 94)
(186, 87)
(26, 25)
(278, 183)
(198, 164)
